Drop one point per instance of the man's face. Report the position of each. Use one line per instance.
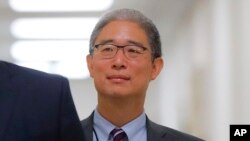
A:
(121, 76)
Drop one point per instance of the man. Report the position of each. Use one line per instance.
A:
(125, 55)
(36, 106)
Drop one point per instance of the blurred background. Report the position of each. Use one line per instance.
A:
(205, 84)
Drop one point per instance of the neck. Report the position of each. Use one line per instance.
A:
(120, 111)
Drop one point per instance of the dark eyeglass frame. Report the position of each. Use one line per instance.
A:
(135, 51)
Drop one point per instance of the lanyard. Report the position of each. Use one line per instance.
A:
(96, 137)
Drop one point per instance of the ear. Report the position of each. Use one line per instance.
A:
(157, 67)
(89, 59)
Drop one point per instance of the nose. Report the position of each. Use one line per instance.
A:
(119, 60)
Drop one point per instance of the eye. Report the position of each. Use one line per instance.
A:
(134, 49)
(106, 48)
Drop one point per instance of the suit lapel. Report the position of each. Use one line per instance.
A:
(7, 98)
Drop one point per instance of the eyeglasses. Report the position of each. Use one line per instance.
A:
(107, 51)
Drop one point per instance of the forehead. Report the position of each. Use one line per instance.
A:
(122, 31)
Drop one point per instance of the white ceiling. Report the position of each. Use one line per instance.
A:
(167, 15)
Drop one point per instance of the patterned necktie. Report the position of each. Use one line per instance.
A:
(118, 134)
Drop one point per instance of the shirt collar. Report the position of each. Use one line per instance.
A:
(104, 127)
(133, 127)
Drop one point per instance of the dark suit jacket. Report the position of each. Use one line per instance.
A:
(155, 132)
(36, 106)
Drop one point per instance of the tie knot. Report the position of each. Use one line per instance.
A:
(118, 134)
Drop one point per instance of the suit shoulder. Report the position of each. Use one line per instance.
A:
(171, 133)
(16, 70)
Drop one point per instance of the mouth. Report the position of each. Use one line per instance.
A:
(118, 78)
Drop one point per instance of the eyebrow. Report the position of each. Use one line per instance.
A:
(129, 41)
(136, 43)
(106, 41)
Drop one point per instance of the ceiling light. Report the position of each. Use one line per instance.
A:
(59, 5)
(67, 58)
(53, 28)
(50, 50)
